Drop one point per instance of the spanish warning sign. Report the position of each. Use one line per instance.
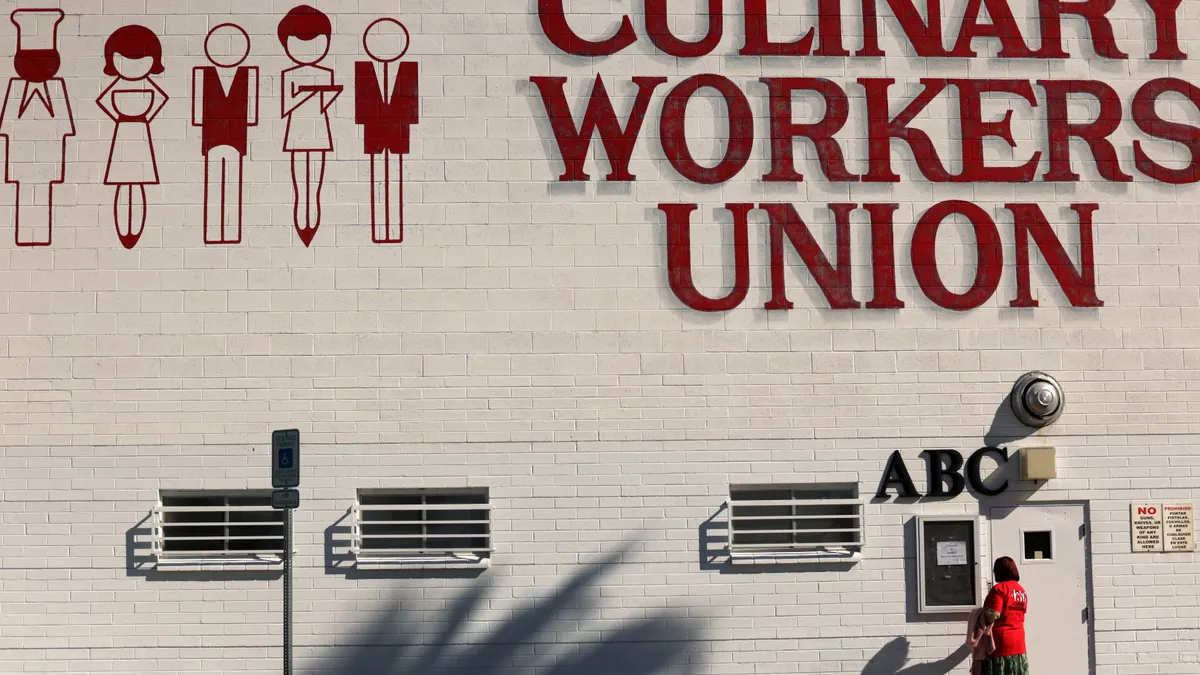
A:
(1179, 528)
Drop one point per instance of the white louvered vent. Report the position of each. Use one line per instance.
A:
(820, 518)
(217, 525)
(446, 525)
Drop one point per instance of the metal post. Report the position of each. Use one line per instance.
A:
(287, 592)
(285, 477)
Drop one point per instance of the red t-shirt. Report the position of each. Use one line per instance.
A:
(1010, 600)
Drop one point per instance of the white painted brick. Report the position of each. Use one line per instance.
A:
(524, 338)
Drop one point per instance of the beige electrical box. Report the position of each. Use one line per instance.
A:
(1038, 464)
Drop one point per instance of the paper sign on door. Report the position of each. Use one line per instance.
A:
(952, 553)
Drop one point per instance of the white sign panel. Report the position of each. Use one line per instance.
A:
(1179, 528)
(1147, 528)
(952, 553)
(285, 499)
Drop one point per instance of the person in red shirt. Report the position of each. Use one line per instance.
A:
(1004, 610)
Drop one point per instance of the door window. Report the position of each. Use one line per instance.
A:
(1038, 545)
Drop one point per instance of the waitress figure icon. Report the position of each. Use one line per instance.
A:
(35, 123)
(308, 92)
(132, 54)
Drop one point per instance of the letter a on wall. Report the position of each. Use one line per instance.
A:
(896, 473)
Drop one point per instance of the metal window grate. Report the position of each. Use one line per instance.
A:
(217, 525)
(422, 523)
(795, 518)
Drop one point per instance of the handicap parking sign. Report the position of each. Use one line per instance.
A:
(285, 458)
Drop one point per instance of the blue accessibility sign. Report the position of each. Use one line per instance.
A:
(285, 458)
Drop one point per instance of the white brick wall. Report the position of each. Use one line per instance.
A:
(523, 338)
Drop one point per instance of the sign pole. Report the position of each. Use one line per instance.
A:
(287, 592)
(285, 477)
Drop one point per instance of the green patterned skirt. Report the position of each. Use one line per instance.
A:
(1005, 665)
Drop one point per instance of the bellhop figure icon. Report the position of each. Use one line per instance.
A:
(35, 123)
(224, 106)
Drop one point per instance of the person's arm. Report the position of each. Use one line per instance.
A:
(364, 76)
(102, 101)
(160, 100)
(197, 96)
(408, 92)
(66, 120)
(6, 115)
(252, 96)
(993, 607)
(328, 97)
(292, 97)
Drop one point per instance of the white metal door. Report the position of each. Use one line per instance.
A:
(1049, 544)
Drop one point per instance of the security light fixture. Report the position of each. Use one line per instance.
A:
(1037, 399)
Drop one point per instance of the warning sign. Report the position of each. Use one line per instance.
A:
(1147, 528)
(1179, 528)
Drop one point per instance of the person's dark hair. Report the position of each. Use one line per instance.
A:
(1005, 569)
(304, 22)
(132, 42)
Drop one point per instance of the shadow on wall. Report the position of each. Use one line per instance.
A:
(891, 659)
(1006, 428)
(547, 637)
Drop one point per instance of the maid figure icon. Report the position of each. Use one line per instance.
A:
(35, 123)
(131, 55)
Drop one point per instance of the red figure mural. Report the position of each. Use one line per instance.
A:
(35, 123)
(224, 106)
(131, 55)
(308, 92)
(386, 104)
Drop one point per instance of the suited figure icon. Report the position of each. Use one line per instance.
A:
(386, 105)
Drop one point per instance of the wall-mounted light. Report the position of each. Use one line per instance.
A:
(1037, 399)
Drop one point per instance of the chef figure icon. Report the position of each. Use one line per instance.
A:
(35, 122)
(386, 104)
